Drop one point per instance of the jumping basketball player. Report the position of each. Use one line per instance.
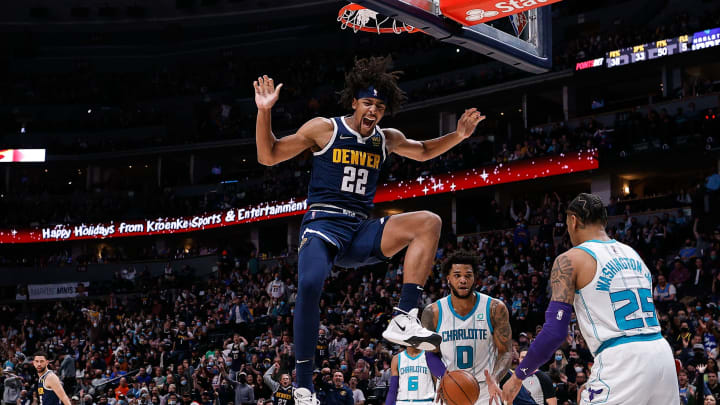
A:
(475, 328)
(413, 376)
(50, 390)
(348, 152)
(611, 289)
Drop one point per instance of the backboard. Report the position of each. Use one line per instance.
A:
(523, 41)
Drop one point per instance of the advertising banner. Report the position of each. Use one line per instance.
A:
(422, 186)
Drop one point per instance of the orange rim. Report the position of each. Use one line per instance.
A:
(351, 9)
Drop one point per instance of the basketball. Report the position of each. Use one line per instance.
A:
(459, 388)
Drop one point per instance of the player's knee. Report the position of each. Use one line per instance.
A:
(315, 266)
(311, 281)
(431, 222)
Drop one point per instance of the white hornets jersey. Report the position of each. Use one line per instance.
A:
(617, 306)
(416, 382)
(467, 342)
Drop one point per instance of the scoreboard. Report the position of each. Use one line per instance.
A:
(649, 51)
(654, 50)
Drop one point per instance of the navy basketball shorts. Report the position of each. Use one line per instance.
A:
(357, 240)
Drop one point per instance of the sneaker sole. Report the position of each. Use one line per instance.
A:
(429, 343)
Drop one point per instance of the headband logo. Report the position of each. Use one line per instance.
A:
(374, 92)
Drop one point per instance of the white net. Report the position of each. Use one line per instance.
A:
(358, 19)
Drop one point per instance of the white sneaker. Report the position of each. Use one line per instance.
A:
(303, 396)
(405, 329)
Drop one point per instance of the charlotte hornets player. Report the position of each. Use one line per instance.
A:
(611, 290)
(348, 152)
(413, 376)
(50, 390)
(474, 327)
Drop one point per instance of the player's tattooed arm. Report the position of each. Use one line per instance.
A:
(562, 278)
(502, 336)
(429, 317)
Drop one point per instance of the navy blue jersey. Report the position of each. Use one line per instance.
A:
(345, 172)
(46, 395)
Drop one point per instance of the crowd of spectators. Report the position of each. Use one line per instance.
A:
(227, 338)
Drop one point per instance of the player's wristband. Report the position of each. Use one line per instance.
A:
(391, 396)
(552, 335)
(435, 364)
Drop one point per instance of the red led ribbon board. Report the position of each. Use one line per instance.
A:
(422, 186)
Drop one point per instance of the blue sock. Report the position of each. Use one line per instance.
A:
(410, 296)
(314, 264)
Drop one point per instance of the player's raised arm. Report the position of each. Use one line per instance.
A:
(53, 382)
(271, 150)
(557, 319)
(426, 150)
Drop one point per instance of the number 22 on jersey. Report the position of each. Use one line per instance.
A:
(354, 180)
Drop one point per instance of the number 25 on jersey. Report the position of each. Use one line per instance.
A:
(628, 302)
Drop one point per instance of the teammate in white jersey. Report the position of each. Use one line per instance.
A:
(475, 328)
(413, 376)
(611, 290)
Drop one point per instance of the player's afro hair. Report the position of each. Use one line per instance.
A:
(373, 71)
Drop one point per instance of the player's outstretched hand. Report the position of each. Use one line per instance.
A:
(493, 389)
(266, 94)
(511, 389)
(701, 368)
(439, 398)
(468, 121)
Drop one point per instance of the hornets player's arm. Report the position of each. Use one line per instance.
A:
(53, 382)
(572, 270)
(396, 141)
(429, 318)
(392, 394)
(502, 337)
(314, 134)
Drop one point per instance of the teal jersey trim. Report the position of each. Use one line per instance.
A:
(586, 250)
(621, 340)
(487, 313)
(437, 327)
(601, 241)
(413, 358)
(474, 308)
(587, 310)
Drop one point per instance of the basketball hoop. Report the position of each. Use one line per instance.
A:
(360, 18)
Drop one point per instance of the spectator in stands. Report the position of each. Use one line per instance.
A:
(239, 312)
(337, 393)
(679, 276)
(67, 371)
(122, 389)
(687, 391)
(664, 292)
(358, 395)
(12, 386)
(244, 394)
(276, 288)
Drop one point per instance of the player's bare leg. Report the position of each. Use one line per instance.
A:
(419, 232)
